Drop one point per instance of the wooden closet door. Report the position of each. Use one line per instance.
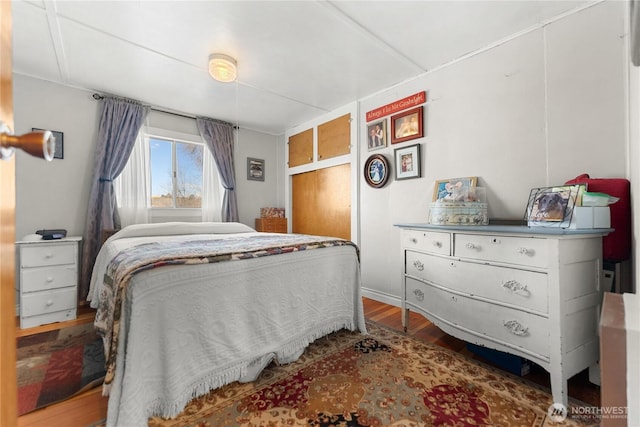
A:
(321, 202)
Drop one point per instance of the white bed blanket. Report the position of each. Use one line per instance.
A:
(188, 329)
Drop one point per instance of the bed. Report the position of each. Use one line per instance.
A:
(184, 308)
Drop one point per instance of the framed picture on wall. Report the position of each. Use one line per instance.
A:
(59, 138)
(407, 161)
(377, 135)
(255, 169)
(407, 125)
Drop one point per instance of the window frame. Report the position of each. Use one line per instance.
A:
(173, 137)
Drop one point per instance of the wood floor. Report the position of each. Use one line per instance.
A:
(91, 407)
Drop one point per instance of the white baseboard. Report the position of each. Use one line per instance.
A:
(381, 297)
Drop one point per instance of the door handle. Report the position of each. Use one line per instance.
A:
(39, 144)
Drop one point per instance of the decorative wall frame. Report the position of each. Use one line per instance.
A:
(407, 125)
(453, 189)
(376, 171)
(407, 162)
(552, 206)
(377, 135)
(255, 169)
(59, 138)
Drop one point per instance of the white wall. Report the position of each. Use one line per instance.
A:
(55, 194)
(537, 110)
(253, 195)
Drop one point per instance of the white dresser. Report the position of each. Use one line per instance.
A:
(47, 280)
(532, 292)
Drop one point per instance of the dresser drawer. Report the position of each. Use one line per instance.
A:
(48, 302)
(427, 241)
(502, 325)
(48, 254)
(524, 251)
(42, 278)
(508, 286)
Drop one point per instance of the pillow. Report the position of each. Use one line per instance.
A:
(177, 228)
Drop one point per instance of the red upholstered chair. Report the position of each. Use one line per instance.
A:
(617, 245)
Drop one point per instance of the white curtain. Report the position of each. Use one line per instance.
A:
(132, 186)
(212, 190)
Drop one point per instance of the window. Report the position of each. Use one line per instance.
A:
(176, 173)
(170, 176)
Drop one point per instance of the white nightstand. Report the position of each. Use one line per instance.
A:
(47, 280)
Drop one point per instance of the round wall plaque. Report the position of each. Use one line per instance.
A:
(376, 171)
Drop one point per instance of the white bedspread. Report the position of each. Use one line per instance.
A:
(188, 329)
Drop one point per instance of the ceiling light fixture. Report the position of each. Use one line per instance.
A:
(222, 67)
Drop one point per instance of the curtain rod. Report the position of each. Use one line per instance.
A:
(98, 97)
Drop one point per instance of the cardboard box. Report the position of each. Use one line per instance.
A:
(590, 217)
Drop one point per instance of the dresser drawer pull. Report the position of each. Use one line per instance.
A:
(49, 303)
(516, 328)
(437, 244)
(516, 287)
(414, 240)
(470, 246)
(523, 251)
(418, 265)
(48, 255)
(419, 294)
(49, 279)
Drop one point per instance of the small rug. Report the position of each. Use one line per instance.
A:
(55, 365)
(382, 379)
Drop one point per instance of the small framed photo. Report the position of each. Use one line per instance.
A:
(407, 125)
(407, 161)
(552, 206)
(377, 135)
(376, 171)
(255, 169)
(59, 138)
(455, 189)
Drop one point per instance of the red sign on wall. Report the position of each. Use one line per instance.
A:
(394, 107)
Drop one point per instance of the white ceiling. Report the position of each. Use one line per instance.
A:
(296, 59)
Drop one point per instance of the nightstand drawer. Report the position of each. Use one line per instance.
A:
(43, 319)
(48, 254)
(47, 302)
(39, 279)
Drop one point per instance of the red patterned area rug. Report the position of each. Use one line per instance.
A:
(55, 365)
(382, 379)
